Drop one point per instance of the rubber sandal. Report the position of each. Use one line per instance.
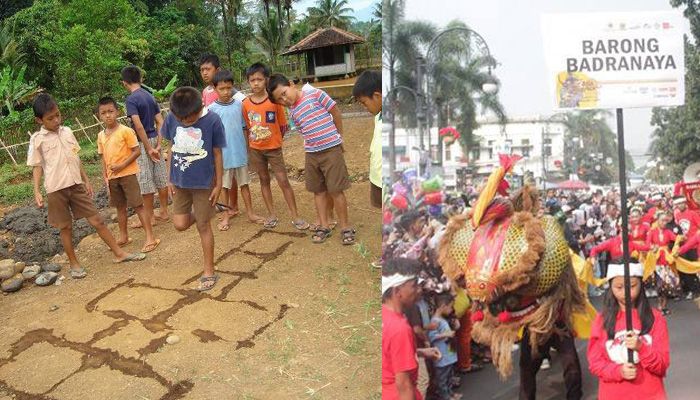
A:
(301, 225)
(314, 227)
(78, 273)
(150, 247)
(321, 235)
(223, 227)
(128, 242)
(132, 257)
(203, 287)
(222, 207)
(348, 236)
(271, 223)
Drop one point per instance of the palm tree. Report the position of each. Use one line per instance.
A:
(593, 135)
(10, 54)
(272, 37)
(329, 13)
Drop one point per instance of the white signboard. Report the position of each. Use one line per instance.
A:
(615, 60)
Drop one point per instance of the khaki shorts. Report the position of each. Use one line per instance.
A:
(262, 160)
(73, 199)
(241, 174)
(152, 175)
(375, 195)
(125, 191)
(186, 201)
(326, 171)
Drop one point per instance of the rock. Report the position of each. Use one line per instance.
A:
(46, 278)
(173, 339)
(4, 248)
(13, 284)
(7, 270)
(51, 267)
(294, 305)
(59, 259)
(24, 220)
(7, 263)
(53, 308)
(31, 271)
(19, 267)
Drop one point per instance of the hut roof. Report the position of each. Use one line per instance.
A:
(324, 37)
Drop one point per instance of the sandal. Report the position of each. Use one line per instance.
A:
(150, 247)
(348, 236)
(132, 257)
(271, 223)
(321, 235)
(223, 227)
(207, 282)
(314, 227)
(78, 273)
(221, 207)
(301, 225)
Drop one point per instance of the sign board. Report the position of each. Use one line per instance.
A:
(615, 60)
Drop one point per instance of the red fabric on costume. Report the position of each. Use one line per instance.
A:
(398, 353)
(638, 232)
(614, 247)
(661, 238)
(691, 243)
(650, 216)
(689, 221)
(464, 338)
(654, 359)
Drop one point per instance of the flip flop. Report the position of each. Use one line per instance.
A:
(78, 273)
(271, 223)
(150, 247)
(128, 242)
(223, 227)
(204, 280)
(348, 236)
(222, 207)
(301, 225)
(314, 227)
(132, 257)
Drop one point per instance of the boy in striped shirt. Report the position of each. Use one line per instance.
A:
(319, 120)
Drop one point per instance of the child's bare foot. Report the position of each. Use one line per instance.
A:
(224, 224)
(124, 242)
(271, 222)
(233, 213)
(162, 216)
(137, 224)
(256, 219)
(148, 247)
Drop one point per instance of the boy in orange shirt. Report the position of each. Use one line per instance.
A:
(53, 153)
(119, 150)
(267, 125)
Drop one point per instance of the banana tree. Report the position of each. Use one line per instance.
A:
(13, 88)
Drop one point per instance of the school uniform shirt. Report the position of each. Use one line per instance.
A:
(115, 148)
(140, 102)
(235, 154)
(606, 356)
(311, 115)
(449, 356)
(375, 153)
(192, 164)
(398, 353)
(57, 154)
(266, 120)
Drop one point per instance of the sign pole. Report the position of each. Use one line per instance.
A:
(625, 234)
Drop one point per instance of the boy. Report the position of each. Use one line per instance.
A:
(144, 112)
(267, 126)
(53, 152)
(320, 124)
(368, 91)
(119, 149)
(235, 154)
(209, 65)
(195, 169)
(440, 338)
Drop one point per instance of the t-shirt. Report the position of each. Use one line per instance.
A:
(235, 153)
(209, 95)
(398, 353)
(57, 154)
(449, 356)
(311, 116)
(115, 148)
(192, 164)
(143, 104)
(266, 124)
(375, 153)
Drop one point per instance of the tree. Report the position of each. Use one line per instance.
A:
(10, 54)
(14, 90)
(271, 38)
(329, 13)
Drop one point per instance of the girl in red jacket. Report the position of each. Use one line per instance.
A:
(667, 281)
(609, 342)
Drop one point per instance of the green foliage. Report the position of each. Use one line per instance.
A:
(88, 152)
(14, 187)
(10, 54)
(17, 193)
(328, 13)
(162, 94)
(272, 37)
(14, 90)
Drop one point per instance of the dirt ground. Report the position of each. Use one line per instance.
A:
(288, 319)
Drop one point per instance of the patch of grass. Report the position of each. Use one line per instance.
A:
(17, 193)
(10, 173)
(283, 352)
(88, 152)
(343, 279)
(362, 249)
(325, 272)
(355, 344)
(375, 396)
(93, 169)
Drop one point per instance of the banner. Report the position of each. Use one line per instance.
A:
(615, 60)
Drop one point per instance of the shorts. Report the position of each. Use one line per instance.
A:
(124, 191)
(73, 199)
(241, 174)
(186, 201)
(326, 171)
(375, 195)
(260, 159)
(152, 175)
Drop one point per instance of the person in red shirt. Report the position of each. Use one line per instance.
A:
(614, 247)
(637, 229)
(400, 291)
(659, 239)
(609, 343)
(658, 199)
(689, 221)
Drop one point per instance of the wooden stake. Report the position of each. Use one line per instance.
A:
(8, 152)
(83, 129)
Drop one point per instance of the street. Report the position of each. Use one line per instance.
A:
(680, 382)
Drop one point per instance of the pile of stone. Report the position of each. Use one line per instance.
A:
(14, 275)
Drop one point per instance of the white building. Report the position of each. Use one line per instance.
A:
(530, 137)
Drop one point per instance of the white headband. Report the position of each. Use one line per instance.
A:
(679, 200)
(619, 270)
(395, 280)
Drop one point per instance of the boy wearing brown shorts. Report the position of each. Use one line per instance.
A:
(119, 149)
(195, 169)
(53, 152)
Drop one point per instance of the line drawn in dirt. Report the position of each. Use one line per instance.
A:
(94, 357)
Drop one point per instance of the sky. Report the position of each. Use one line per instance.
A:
(512, 30)
(362, 8)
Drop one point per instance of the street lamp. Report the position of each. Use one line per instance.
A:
(545, 133)
(475, 45)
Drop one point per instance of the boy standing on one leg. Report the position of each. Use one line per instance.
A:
(53, 152)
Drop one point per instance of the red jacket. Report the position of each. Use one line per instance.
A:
(605, 358)
(614, 247)
(638, 233)
(661, 238)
